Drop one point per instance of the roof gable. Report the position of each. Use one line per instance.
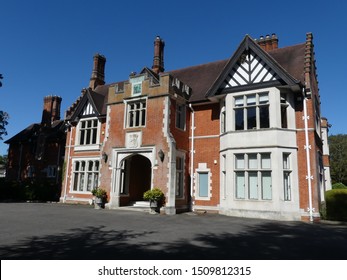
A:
(86, 106)
(250, 67)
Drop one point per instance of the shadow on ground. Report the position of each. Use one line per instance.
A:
(267, 241)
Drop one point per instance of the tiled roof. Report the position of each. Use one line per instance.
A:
(201, 77)
(33, 130)
(291, 59)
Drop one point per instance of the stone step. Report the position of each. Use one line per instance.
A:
(143, 204)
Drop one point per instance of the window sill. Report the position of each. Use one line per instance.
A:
(95, 147)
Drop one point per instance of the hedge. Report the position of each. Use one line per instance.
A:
(29, 191)
(336, 204)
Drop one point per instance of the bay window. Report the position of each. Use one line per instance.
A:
(252, 111)
(253, 176)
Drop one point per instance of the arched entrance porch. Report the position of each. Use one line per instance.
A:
(135, 178)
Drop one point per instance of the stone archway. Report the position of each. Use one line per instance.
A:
(135, 179)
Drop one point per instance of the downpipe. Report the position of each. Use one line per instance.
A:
(309, 177)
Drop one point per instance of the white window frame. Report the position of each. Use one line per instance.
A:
(245, 104)
(287, 177)
(202, 169)
(87, 147)
(284, 105)
(82, 176)
(250, 166)
(128, 103)
(223, 120)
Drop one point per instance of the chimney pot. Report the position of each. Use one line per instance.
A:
(269, 42)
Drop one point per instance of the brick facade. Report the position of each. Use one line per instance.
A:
(184, 131)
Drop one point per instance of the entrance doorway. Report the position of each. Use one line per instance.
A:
(136, 178)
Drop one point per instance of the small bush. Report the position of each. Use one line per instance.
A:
(154, 195)
(336, 204)
(338, 186)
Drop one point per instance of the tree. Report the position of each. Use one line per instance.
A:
(3, 159)
(3, 118)
(3, 122)
(338, 158)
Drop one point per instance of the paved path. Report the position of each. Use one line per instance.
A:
(61, 231)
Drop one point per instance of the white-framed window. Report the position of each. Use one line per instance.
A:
(287, 177)
(252, 111)
(85, 175)
(224, 174)
(253, 176)
(223, 120)
(136, 113)
(88, 131)
(203, 185)
(284, 109)
(181, 116)
(179, 176)
(51, 171)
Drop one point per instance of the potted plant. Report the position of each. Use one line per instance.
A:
(155, 197)
(100, 197)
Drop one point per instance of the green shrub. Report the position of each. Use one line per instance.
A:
(339, 186)
(336, 204)
(154, 195)
(33, 191)
(323, 211)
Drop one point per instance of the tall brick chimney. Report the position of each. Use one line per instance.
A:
(98, 73)
(158, 59)
(269, 42)
(51, 109)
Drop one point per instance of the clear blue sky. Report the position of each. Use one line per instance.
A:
(47, 46)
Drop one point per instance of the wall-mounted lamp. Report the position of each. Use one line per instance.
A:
(104, 156)
(161, 155)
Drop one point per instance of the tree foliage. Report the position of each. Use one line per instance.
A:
(338, 158)
(3, 118)
(3, 159)
(3, 122)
